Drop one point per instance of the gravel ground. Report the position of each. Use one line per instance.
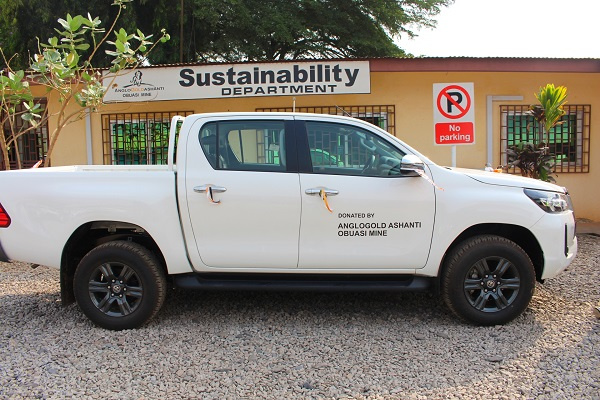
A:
(303, 345)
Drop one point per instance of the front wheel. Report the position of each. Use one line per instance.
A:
(488, 280)
(119, 285)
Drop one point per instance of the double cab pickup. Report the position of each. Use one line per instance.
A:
(285, 201)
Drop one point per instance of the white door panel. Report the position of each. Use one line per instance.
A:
(254, 225)
(374, 223)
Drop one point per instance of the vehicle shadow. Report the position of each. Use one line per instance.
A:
(402, 343)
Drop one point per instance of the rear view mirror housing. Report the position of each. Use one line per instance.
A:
(410, 165)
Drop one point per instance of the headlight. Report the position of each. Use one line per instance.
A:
(551, 202)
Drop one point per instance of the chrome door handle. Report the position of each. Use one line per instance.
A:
(317, 191)
(212, 188)
(323, 193)
(209, 190)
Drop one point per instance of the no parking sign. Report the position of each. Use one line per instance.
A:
(453, 114)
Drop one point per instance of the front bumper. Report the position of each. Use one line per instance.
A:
(556, 236)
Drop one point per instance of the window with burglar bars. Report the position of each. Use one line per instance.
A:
(29, 147)
(568, 142)
(342, 149)
(381, 116)
(137, 138)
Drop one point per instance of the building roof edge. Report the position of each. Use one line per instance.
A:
(491, 64)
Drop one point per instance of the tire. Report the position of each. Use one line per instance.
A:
(488, 280)
(119, 285)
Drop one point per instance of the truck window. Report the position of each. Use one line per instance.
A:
(340, 149)
(244, 145)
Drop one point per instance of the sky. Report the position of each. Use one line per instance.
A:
(512, 28)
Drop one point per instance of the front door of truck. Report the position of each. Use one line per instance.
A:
(243, 193)
(358, 211)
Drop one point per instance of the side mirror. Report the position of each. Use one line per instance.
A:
(410, 165)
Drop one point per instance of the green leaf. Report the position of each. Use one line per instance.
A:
(121, 35)
(75, 23)
(120, 46)
(64, 23)
(72, 59)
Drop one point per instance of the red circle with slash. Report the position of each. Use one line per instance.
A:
(455, 97)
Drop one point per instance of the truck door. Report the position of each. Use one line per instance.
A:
(243, 193)
(358, 211)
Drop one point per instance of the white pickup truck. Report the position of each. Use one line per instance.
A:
(285, 201)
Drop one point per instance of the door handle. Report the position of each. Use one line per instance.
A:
(209, 190)
(323, 193)
(215, 189)
(318, 191)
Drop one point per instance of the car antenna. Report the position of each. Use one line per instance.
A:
(344, 111)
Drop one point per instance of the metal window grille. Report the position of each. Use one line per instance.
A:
(330, 147)
(383, 116)
(569, 142)
(137, 138)
(29, 147)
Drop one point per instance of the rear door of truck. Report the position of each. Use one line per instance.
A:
(242, 192)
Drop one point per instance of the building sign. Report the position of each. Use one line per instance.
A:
(239, 80)
(453, 114)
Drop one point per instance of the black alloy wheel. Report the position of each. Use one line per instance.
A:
(115, 289)
(488, 280)
(492, 284)
(120, 285)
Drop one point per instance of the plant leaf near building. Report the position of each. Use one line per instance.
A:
(534, 159)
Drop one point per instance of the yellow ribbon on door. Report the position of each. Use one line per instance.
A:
(323, 195)
(209, 195)
(428, 179)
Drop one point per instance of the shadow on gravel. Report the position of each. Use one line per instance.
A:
(350, 340)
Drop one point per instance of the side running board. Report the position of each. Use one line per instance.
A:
(298, 282)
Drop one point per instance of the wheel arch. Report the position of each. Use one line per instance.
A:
(518, 234)
(92, 234)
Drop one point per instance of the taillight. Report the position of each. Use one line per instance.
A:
(4, 218)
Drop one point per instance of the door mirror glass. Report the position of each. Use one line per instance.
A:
(411, 164)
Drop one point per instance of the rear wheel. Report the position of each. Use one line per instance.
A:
(119, 285)
(488, 280)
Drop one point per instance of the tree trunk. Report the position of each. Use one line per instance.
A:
(53, 138)
(17, 154)
(5, 162)
(14, 135)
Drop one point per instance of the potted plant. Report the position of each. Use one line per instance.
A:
(534, 159)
